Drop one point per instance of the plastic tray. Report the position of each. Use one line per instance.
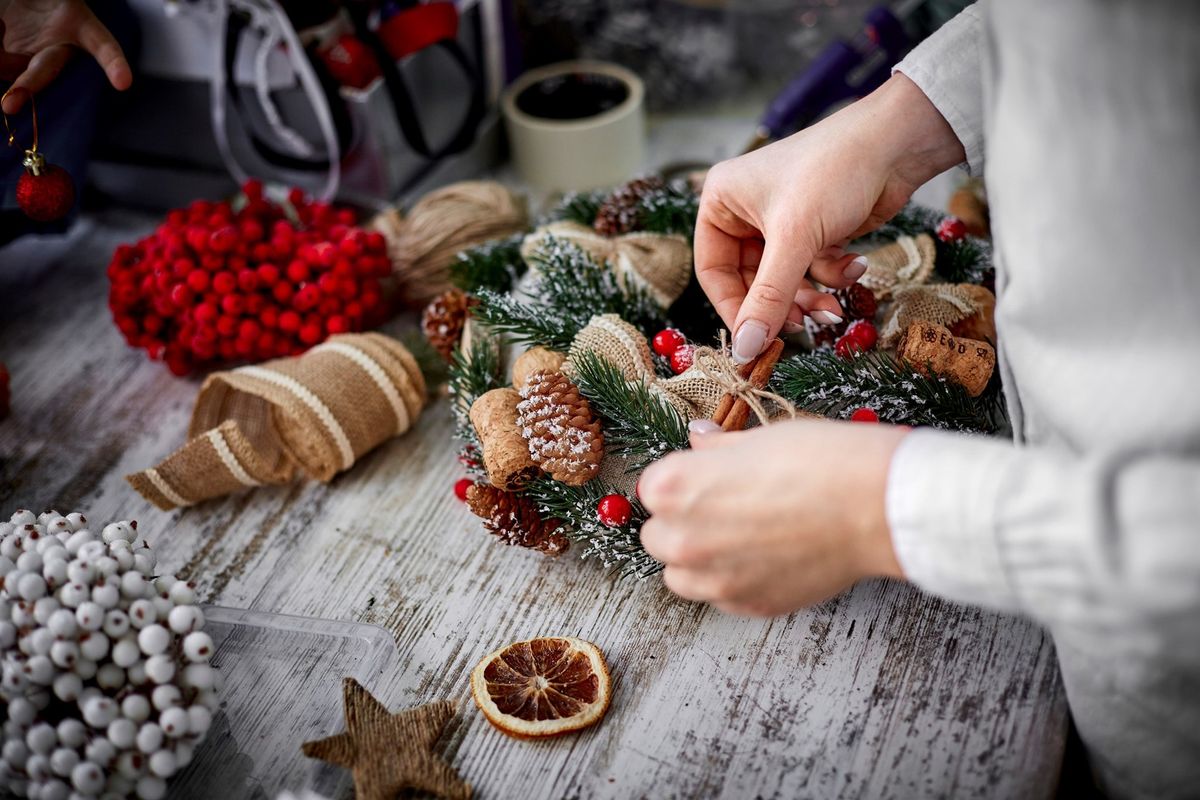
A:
(283, 678)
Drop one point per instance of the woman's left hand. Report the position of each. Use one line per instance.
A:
(773, 519)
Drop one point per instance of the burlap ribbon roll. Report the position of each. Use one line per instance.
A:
(694, 393)
(444, 222)
(314, 414)
(659, 263)
(942, 304)
(905, 262)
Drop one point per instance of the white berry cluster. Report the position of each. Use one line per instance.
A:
(103, 667)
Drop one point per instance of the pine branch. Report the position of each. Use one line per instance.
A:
(471, 375)
(494, 265)
(575, 507)
(670, 210)
(570, 289)
(579, 207)
(637, 424)
(832, 386)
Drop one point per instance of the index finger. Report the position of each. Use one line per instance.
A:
(99, 41)
(718, 257)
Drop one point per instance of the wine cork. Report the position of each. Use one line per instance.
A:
(966, 204)
(967, 362)
(505, 453)
(982, 324)
(533, 360)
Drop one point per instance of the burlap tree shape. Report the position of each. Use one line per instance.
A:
(388, 752)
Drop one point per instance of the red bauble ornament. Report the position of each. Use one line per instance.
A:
(667, 341)
(614, 510)
(45, 192)
(681, 359)
(864, 415)
(951, 229)
(461, 486)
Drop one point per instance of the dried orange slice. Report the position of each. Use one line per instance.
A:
(542, 687)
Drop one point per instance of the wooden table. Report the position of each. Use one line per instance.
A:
(882, 692)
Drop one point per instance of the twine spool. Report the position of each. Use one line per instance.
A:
(423, 243)
(314, 414)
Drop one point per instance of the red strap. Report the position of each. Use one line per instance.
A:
(418, 27)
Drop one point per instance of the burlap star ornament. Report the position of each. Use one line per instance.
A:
(388, 752)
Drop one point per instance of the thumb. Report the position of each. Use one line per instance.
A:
(780, 273)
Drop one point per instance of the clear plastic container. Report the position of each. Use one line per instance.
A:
(283, 687)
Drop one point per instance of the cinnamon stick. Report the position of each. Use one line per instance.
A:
(764, 365)
(726, 404)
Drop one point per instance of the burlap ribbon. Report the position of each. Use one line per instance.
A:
(659, 263)
(907, 261)
(694, 394)
(314, 414)
(941, 303)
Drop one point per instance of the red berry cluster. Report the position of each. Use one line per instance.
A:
(4, 391)
(951, 229)
(859, 337)
(213, 285)
(671, 344)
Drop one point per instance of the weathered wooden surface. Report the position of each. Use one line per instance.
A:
(882, 692)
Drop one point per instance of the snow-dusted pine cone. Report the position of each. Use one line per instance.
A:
(564, 436)
(858, 302)
(443, 320)
(103, 667)
(620, 211)
(515, 519)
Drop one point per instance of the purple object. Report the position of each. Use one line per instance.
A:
(844, 71)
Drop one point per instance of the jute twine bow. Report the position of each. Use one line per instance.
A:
(315, 414)
(718, 367)
(423, 243)
(659, 263)
(942, 304)
(711, 381)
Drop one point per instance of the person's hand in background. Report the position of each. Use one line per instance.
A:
(37, 39)
(773, 218)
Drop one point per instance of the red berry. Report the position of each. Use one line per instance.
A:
(224, 282)
(289, 322)
(308, 297)
(681, 359)
(181, 296)
(233, 304)
(269, 317)
(846, 347)
(205, 312)
(197, 280)
(461, 486)
(337, 324)
(864, 414)
(951, 229)
(310, 333)
(247, 280)
(223, 239)
(614, 510)
(282, 292)
(297, 197)
(248, 329)
(227, 326)
(297, 271)
(253, 189)
(863, 332)
(666, 342)
(268, 274)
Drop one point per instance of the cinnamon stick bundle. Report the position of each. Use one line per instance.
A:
(733, 413)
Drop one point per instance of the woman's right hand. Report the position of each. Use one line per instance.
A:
(772, 218)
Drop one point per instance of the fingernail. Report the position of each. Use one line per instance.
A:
(792, 327)
(824, 317)
(703, 427)
(855, 269)
(748, 341)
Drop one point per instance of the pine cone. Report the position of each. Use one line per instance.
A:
(825, 335)
(620, 212)
(515, 519)
(443, 320)
(564, 437)
(858, 301)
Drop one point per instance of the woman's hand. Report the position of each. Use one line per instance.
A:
(773, 519)
(37, 38)
(770, 219)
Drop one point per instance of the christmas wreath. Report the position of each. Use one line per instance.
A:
(618, 358)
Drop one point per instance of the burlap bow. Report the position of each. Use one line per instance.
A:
(658, 262)
(945, 304)
(315, 414)
(908, 261)
(695, 393)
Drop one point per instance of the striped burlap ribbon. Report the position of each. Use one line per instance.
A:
(313, 414)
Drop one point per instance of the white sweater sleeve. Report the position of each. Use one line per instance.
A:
(1101, 543)
(947, 68)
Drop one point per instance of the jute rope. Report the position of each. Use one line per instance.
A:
(315, 414)
(718, 367)
(904, 262)
(423, 243)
